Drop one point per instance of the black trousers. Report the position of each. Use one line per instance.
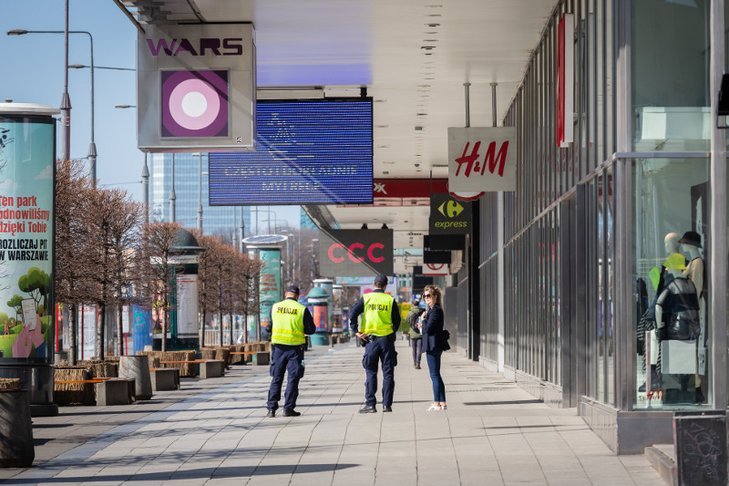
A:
(285, 359)
(380, 350)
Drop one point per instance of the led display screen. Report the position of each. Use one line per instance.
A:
(307, 152)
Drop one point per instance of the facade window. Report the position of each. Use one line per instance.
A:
(670, 76)
(671, 221)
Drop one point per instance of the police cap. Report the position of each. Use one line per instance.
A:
(293, 289)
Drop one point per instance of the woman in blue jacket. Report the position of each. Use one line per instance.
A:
(433, 344)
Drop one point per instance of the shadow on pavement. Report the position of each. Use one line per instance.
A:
(210, 473)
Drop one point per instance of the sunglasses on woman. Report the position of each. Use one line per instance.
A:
(426, 296)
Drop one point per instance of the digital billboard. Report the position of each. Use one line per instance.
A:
(307, 152)
(26, 236)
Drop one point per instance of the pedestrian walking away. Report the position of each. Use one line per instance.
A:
(434, 343)
(380, 321)
(291, 321)
(416, 338)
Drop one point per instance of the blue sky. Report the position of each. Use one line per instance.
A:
(33, 73)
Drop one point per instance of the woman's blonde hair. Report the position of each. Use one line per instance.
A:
(435, 292)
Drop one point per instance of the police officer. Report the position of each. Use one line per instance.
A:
(290, 322)
(380, 321)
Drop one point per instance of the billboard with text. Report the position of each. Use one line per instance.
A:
(307, 152)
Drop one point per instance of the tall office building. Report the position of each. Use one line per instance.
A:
(191, 186)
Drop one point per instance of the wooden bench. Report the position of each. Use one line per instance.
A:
(91, 381)
(165, 378)
(208, 368)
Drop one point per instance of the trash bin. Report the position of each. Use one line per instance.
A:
(699, 439)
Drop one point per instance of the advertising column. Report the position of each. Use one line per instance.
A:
(27, 170)
(270, 286)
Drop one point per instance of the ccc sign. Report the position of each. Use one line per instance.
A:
(356, 252)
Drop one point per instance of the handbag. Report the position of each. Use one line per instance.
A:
(444, 337)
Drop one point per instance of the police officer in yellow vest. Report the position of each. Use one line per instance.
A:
(380, 320)
(291, 321)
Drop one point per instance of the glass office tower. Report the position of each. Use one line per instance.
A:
(191, 186)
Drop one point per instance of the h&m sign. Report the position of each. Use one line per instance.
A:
(481, 159)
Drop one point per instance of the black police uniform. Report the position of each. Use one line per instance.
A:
(378, 349)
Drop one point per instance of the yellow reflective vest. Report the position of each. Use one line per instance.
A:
(288, 323)
(377, 315)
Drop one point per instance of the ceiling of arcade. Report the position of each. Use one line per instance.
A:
(413, 56)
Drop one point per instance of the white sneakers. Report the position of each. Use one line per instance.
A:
(437, 408)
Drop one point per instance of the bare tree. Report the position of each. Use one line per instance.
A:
(72, 237)
(205, 272)
(124, 233)
(158, 244)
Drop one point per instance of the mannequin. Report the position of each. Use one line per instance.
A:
(677, 309)
(659, 277)
(691, 246)
(671, 242)
(658, 274)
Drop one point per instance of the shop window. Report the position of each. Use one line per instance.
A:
(670, 75)
(671, 223)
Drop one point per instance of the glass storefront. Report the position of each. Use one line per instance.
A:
(671, 224)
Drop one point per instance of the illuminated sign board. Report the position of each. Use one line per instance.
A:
(307, 152)
(354, 253)
(196, 87)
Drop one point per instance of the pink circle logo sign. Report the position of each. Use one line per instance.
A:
(194, 104)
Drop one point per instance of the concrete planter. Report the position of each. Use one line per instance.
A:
(16, 430)
(137, 368)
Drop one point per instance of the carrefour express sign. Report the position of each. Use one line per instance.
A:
(307, 152)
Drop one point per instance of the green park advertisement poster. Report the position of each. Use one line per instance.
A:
(26, 237)
(270, 283)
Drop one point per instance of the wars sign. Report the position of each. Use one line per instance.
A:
(481, 159)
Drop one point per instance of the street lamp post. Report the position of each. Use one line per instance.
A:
(199, 194)
(145, 189)
(66, 100)
(145, 168)
(173, 196)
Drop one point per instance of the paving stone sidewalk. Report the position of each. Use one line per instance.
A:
(214, 432)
